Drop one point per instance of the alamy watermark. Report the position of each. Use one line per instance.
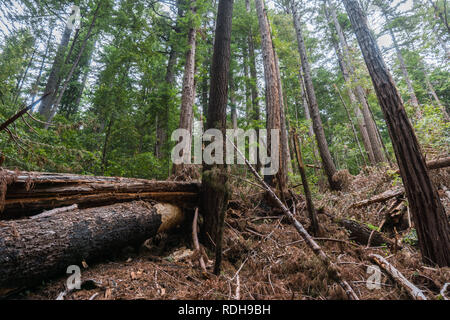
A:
(374, 280)
(214, 152)
(73, 282)
(74, 18)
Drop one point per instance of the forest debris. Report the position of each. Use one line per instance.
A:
(412, 290)
(380, 198)
(195, 241)
(389, 194)
(334, 270)
(361, 233)
(435, 164)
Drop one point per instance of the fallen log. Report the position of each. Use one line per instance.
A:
(32, 250)
(31, 193)
(412, 290)
(361, 234)
(389, 194)
(16, 190)
(435, 164)
(15, 208)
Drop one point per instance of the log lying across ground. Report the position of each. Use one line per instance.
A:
(412, 290)
(361, 234)
(32, 250)
(389, 194)
(32, 192)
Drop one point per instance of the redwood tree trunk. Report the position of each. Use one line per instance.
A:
(414, 100)
(253, 75)
(215, 191)
(327, 161)
(273, 101)
(188, 93)
(162, 118)
(429, 215)
(45, 108)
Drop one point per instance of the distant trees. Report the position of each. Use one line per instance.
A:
(327, 161)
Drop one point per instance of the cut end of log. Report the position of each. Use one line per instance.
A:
(171, 216)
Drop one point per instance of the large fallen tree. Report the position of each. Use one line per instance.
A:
(32, 250)
(29, 193)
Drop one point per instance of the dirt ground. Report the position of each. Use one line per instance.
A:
(264, 257)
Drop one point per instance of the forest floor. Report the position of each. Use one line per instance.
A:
(264, 257)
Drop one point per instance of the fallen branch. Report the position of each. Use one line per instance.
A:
(431, 165)
(196, 243)
(237, 296)
(362, 234)
(380, 198)
(333, 270)
(55, 211)
(5, 124)
(412, 290)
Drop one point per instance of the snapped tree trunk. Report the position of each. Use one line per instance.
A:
(215, 189)
(429, 215)
(273, 102)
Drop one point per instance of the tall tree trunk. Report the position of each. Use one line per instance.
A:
(401, 60)
(232, 90)
(45, 108)
(105, 146)
(215, 190)
(354, 104)
(248, 95)
(253, 75)
(188, 93)
(327, 161)
(273, 103)
(436, 98)
(285, 160)
(351, 123)
(429, 215)
(54, 108)
(162, 128)
(41, 68)
(375, 151)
